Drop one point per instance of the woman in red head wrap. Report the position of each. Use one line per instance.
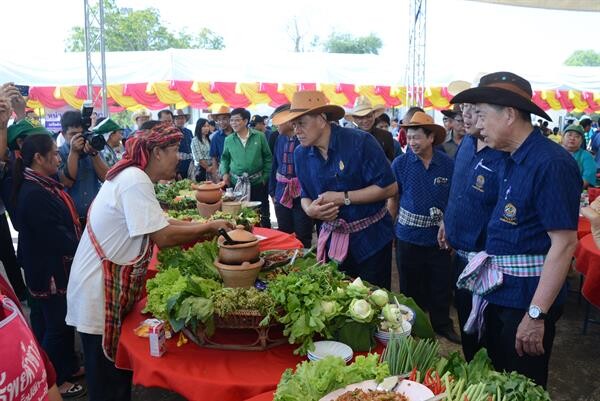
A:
(109, 268)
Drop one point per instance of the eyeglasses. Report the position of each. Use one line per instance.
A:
(304, 121)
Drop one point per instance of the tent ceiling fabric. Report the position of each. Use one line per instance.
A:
(568, 5)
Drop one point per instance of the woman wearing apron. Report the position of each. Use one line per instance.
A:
(109, 268)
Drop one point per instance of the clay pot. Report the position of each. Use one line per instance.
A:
(238, 253)
(242, 275)
(231, 207)
(208, 192)
(206, 210)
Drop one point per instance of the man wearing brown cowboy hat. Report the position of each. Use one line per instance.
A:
(344, 185)
(364, 115)
(423, 176)
(518, 282)
(140, 117)
(217, 140)
(180, 118)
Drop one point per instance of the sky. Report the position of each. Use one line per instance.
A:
(461, 35)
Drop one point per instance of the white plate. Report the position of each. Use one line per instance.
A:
(412, 390)
(334, 348)
(251, 204)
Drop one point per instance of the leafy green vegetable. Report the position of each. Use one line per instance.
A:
(198, 260)
(300, 294)
(166, 193)
(313, 380)
(165, 285)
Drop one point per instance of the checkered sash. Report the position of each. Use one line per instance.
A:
(339, 230)
(243, 184)
(485, 273)
(407, 218)
(122, 289)
(291, 190)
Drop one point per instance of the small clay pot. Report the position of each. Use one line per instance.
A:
(208, 192)
(242, 275)
(207, 210)
(231, 207)
(239, 253)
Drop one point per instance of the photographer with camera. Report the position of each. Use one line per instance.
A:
(82, 170)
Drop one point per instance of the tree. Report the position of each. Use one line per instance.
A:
(138, 30)
(346, 43)
(581, 58)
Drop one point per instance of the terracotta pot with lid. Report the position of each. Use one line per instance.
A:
(244, 251)
(208, 192)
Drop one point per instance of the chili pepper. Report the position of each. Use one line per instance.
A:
(413, 374)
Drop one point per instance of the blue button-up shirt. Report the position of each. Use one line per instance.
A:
(87, 184)
(420, 189)
(217, 144)
(540, 190)
(283, 163)
(185, 149)
(473, 195)
(355, 160)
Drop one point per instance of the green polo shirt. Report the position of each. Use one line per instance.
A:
(255, 157)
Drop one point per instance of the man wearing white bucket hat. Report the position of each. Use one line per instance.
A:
(364, 116)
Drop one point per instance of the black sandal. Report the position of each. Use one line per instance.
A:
(76, 390)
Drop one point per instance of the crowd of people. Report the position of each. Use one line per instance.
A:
(482, 210)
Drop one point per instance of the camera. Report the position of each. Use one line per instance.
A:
(96, 141)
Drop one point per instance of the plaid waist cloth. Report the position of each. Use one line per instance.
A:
(184, 156)
(291, 190)
(339, 230)
(407, 218)
(484, 274)
(243, 184)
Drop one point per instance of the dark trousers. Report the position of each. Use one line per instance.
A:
(425, 275)
(9, 260)
(58, 339)
(260, 192)
(104, 381)
(295, 221)
(377, 269)
(500, 333)
(462, 302)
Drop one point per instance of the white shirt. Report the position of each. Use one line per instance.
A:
(124, 212)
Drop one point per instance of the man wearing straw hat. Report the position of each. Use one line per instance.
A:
(217, 140)
(424, 175)
(473, 195)
(518, 282)
(345, 186)
(364, 116)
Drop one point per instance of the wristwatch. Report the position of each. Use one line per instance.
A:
(347, 201)
(535, 312)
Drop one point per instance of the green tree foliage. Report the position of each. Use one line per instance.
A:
(138, 30)
(346, 43)
(581, 58)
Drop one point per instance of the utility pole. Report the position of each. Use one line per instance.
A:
(95, 58)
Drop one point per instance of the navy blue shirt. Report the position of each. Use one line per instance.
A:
(87, 184)
(473, 195)
(540, 189)
(283, 163)
(217, 144)
(420, 189)
(355, 160)
(185, 147)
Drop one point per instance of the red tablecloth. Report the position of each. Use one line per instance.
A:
(587, 262)
(583, 228)
(268, 396)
